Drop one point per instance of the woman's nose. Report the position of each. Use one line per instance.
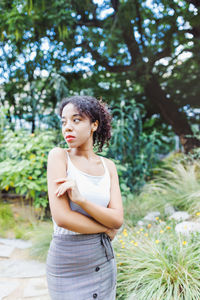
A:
(68, 126)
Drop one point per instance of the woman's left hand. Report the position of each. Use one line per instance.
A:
(111, 232)
(69, 185)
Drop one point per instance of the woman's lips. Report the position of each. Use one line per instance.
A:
(69, 138)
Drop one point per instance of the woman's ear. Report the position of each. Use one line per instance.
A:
(95, 125)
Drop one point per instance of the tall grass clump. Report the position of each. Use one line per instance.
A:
(157, 265)
(41, 236)
(6, 218)
(178, 184)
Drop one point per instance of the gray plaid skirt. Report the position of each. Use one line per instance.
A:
(81, 267)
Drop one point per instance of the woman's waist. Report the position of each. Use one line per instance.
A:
(76, 236)
(86, 243)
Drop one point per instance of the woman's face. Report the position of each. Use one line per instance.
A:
(77, 129)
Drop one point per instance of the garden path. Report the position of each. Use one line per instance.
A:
(21, 278)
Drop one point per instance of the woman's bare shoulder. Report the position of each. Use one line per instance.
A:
(110, 164)
(57, 153)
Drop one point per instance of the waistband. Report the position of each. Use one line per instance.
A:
(103, 237)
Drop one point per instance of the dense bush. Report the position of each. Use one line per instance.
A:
(23, 162)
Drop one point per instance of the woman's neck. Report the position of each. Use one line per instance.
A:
(87, 152)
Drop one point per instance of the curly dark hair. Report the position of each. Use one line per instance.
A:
(95, 110)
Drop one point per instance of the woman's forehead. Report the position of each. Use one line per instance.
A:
(70, 110)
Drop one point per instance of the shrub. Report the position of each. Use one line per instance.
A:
(23, 163)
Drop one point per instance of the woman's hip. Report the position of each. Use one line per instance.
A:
(82, 251)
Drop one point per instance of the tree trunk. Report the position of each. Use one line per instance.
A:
(171, 114)
(33, 126)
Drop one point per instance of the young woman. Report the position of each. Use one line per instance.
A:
(86, 206)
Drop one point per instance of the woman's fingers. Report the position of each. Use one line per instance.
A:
(59, 191)
(60, 180)
(111, 232)
(62, 189)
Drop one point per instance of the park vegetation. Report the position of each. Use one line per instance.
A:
(142, 58)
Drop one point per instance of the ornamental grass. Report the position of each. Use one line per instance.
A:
(155, 263)
(178, 185)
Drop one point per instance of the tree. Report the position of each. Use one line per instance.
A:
(129, 47)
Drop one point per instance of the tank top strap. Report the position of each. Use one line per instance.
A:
(70, 167)
(68, 158)
(104, 164)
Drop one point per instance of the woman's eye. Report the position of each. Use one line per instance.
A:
(76, 120)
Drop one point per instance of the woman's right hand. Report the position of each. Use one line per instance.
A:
(111, 232)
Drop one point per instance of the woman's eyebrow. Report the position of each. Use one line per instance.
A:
(75, 115)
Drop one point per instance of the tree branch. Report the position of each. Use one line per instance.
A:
(195, 31)
(115, 5)
(90, 23)
(139, 22)
(194, 2)
(104, 62)
(130, 41)
(161, 54)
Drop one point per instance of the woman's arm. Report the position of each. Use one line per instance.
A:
(60, 208)
(111, 216)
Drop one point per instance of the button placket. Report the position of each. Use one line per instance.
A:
(95, 295)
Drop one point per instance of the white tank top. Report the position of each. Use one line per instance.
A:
(93, 188)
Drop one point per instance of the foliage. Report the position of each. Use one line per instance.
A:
(136, 152)
(177, 183)
(3, 122)
(156, 263)
(13, 224)
(23, 163)
(6, 218)
(180, 186)
(41, 236)
(132, 49)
